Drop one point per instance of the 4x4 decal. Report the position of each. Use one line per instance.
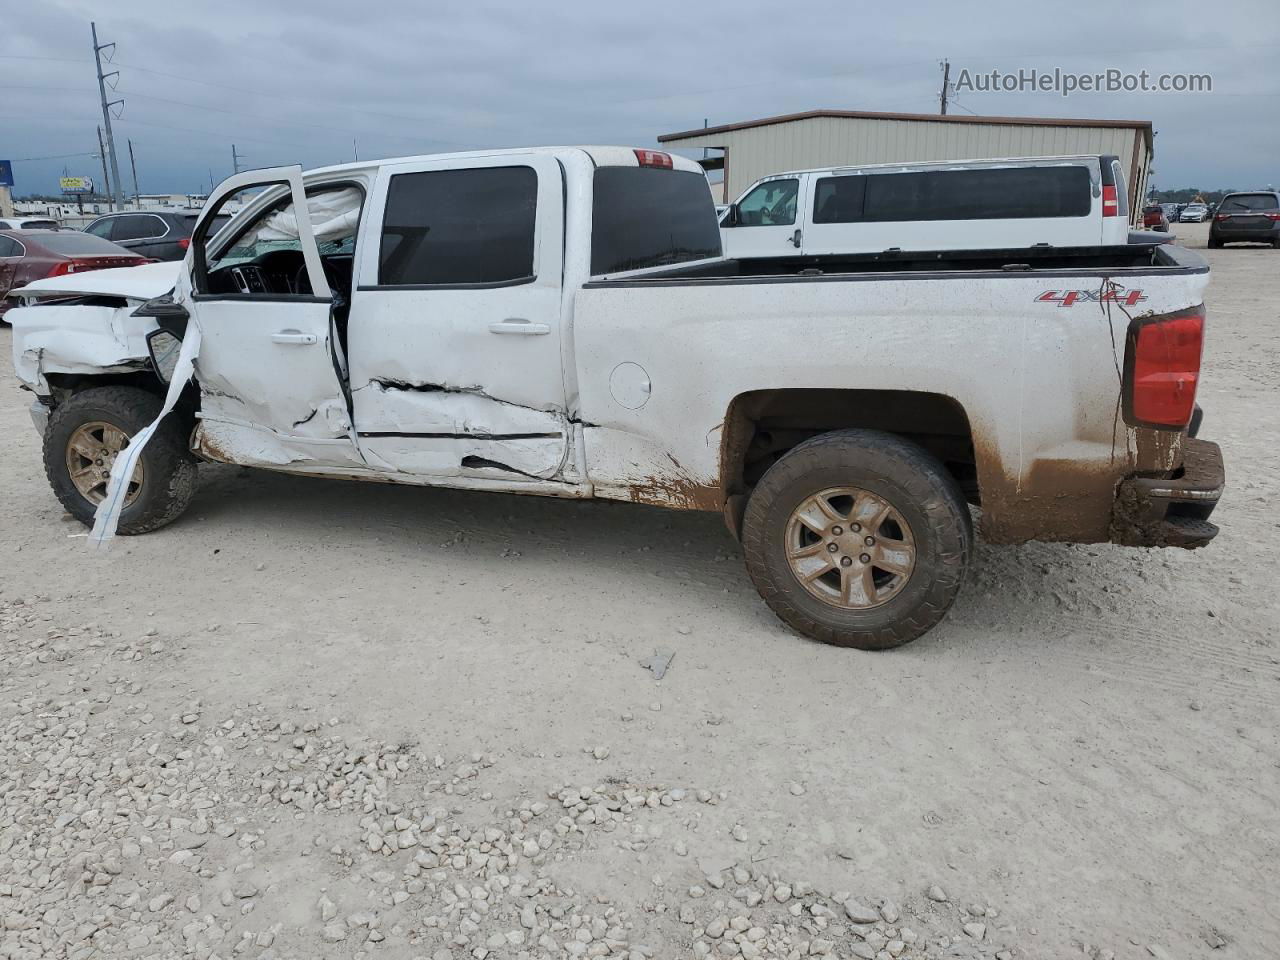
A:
(1069, 298)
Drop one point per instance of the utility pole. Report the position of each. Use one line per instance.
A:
(106, 109)
(235, 159)
(137, 198)
(106, 181)
(946, 86)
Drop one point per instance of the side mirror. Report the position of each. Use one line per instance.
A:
(164, 348)
(732, 216)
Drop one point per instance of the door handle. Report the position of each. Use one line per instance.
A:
(795, 239)
(520, 327)
(294, 336)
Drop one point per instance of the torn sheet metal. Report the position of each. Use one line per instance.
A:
(77, 339)
(107, 517)
(433, 428)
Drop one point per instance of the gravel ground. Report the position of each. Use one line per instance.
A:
(317, 719)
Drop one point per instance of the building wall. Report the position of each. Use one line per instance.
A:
(756, 152)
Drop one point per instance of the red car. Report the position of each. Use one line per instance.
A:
(27, 255)
(1153, 218)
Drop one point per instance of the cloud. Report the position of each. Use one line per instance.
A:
(307, 82)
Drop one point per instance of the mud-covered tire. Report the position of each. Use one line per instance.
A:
(901, 474)
(169, 469)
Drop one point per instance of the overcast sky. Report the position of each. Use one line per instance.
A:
(402, 77)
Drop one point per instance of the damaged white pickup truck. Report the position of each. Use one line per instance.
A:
(560, 321)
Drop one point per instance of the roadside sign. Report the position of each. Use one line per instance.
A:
(76, 184)
(6, 173)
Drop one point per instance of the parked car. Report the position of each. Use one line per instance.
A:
(1153, 218)
(1171, 211)
(28, 255)
(1247, 217)
(28, 223)
(948, 205)
(453, 321)
(160, 235)
(1194, 213)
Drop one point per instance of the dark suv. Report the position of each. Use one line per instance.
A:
(1247, 217)
(159, 234)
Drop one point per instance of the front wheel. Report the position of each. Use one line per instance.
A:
(858, 538)
(85, 435)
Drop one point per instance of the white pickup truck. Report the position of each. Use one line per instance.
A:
(559, 321)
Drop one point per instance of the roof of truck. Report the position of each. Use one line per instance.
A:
(601, 156)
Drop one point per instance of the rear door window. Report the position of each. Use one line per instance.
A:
(1011, 193)
(9, 247)
(138, 227)
(1245, 202)
(459, 227)
(645, 217)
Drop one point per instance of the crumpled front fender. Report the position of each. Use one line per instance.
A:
(77, 339)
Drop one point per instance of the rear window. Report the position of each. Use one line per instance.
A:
(1249, 201)
(459, 227)
(40, 225)
(651, 217)
(1013, 193)
(73, 244)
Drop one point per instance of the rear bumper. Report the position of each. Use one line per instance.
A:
(1229, 232)
(1173, 512)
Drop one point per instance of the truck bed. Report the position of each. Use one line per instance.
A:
(1097, 261)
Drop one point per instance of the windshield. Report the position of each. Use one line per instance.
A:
(650, 217)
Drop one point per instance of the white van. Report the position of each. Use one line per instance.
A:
(945, 205)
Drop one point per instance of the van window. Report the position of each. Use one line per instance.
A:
(1010, 193)
(449, 227)
(772, 204)
(650, 217)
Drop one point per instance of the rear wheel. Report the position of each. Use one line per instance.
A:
(1215, 243)
(87, 433)
(858, 538)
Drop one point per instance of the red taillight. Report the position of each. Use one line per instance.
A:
(184, 242)
(1164, 368)
(653, 158)
(1221, 216)
(63, 267)
(1272, 216)
(1110, 201)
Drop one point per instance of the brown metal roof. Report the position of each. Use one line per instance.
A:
(1143, 125)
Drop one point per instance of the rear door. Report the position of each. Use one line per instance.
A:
(270, 391)
(455, 335)
(144, 234)
(768, 220)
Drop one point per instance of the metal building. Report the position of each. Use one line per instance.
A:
(821, 138)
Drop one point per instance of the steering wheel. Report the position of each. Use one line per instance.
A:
(301, 281)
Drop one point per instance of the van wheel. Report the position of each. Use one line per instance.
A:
(86, 434)
(858, 538)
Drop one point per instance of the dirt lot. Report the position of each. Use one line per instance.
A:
(326, 719)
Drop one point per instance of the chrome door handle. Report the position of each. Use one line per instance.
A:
(294, 336)
(520, 327)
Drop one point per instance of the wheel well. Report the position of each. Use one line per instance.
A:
(763, 425)
(66, 385)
